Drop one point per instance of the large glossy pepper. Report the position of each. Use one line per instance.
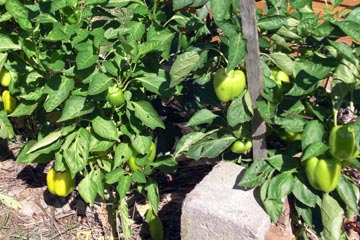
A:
(342, 142)
(227, 86)
(323, 174)
(60, 183)
(9, 101)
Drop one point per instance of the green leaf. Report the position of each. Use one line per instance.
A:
(350, 28)
(94, 2)
(266, 110)
(7, 44)
(5, 17)
(85, 57)
(153, 82)
(33, 77)
(304, 212)
(98, 177)
(43, 155)
(256, 174)
(147, 114)
(274, 208)
(228, 29)
(152, 194)
(286, 32)
(25, 108)
(220, 9)
(76, 106)
(122, 154)
(346, 72)
(354, 15)
(47, 140)
(201, 117)
(316, 70)
(182, 66)
(114, 176)
(303, 193)
(123, 185)
(137, 30)
(240, 110)
(313, 132)
(164, 39)
(348, 193)
(280, 186)
(19, 12)
(331, 217)
(138, 177)
(147, 47)
(105, 128)
(140, 143)
(3, 57)
(314, 149)
(112, 33)
(283, 61)
(186, 141)
(125, 219)
(282, 162)
(344, 50)
(280, 41)
(181, 4)
(165, 164)
(99, 82)
(211, 146)
(291, 123)
(237, 51)
(45, 18)
(6, 129)
(273, 22)
(88, 188)
(336, 3)
(57, 33)
(58, 90)
(339, 91)
(76, 150)
(99, 144)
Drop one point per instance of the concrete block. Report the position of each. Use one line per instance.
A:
(218, 209)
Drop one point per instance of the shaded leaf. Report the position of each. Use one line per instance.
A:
(331, 216)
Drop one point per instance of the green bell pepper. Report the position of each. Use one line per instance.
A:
(342, 142)
(323, 174)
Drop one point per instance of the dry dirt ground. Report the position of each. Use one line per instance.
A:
(44, 216)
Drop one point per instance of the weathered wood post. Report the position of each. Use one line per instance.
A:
(255, 86)
(254, 75)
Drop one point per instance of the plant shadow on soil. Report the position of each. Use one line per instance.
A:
(173, 188)
(172, 194)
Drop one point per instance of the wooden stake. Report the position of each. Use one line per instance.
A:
(254, 75)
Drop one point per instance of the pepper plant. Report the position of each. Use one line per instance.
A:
(85, 75)
(103, 81)
(310, 110)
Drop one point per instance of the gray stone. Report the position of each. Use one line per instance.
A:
(218, 209)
